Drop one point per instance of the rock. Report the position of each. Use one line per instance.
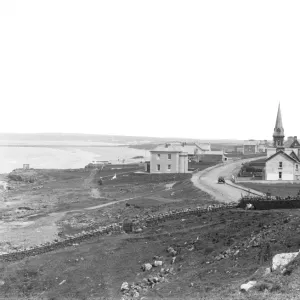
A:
(247, 286)
(157, 263)
(146, 267)
(267, 271)
(135, 294)
(170, 249)
(124, 286)
(173, 260)
(155, 279)
(282, 259)
(2, 282)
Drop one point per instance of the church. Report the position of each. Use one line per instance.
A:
(283, 159)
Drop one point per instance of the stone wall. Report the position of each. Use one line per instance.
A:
(115, 228)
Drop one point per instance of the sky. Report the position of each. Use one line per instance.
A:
(194, 69)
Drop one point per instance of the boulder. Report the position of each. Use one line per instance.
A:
(267, 272)
(125, 286)
(135, 294)
(146, 267)
(279, 261)
(157, 263)
(247, 286)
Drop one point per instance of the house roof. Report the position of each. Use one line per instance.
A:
(205, 146)
(292, 143)
(293, 154)
(169, 148)
(212, 152)
(284, 154)
(251, 143)
(190, 147)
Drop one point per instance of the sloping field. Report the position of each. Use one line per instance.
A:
(215, 254)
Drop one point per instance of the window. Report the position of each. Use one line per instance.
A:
(169, 156)
(280, 175)
(169, 167)
(296, 167)
(158, 167)
(280, 164)
(158, 156)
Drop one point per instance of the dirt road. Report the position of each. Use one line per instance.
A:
(206, 180)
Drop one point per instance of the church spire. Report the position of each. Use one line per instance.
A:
(278, 134)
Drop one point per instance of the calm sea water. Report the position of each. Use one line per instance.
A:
(63, 158)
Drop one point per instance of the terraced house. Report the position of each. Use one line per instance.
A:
(283, 159)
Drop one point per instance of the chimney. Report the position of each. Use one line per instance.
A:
(295, 138)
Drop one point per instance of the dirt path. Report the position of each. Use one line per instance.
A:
(87, 182)
(206, 180)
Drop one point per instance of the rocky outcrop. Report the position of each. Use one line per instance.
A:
(279, 261)
(23, 175)
(247, 286)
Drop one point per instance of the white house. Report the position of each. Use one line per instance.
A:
(283, 159)
(169, 159)
(281, 166)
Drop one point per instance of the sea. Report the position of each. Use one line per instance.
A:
(73, 157)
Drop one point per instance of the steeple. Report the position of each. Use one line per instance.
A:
(278, 134)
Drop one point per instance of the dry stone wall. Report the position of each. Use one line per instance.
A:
(115, 228)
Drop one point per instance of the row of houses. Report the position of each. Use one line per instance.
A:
(175, 157)
(255, 147)
(261, 146)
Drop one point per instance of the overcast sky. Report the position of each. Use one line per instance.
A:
(194, 69)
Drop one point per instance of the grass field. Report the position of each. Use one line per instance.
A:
(56, 204)
(280, 189)
(97, 268)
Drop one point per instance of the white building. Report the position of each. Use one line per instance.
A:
(283, 159)
(169, 159)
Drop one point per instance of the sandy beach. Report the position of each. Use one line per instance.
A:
(62, 158)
